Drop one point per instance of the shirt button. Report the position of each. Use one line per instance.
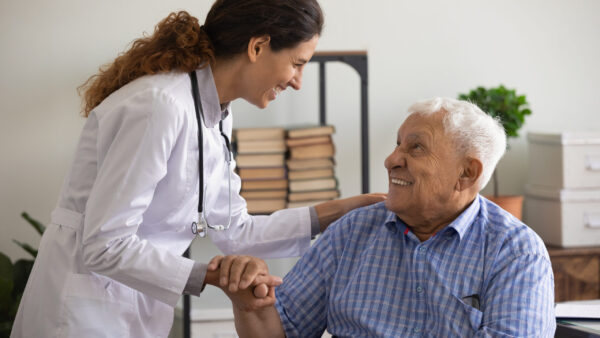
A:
(419, 289)
(416, 330)
(422, 249)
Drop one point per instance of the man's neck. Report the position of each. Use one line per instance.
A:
(424, 228)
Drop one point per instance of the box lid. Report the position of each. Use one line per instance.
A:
(565, 138)
(563, 195)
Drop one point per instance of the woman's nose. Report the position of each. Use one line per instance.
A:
(296, 81)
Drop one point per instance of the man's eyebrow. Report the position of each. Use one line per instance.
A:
(414, 137)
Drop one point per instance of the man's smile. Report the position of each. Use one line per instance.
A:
(399, 181)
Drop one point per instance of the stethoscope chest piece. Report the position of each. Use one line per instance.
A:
(199, 228)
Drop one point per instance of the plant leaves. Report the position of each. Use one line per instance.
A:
(39, 227)
(21, 272)
(5, 328)
(27, 248)
(6, 284)
(503, 103)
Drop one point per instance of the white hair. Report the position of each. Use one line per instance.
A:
(475, 133)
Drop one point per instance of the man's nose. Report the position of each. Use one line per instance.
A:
(395, 159)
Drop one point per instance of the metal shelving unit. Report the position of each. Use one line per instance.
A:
(358, 61)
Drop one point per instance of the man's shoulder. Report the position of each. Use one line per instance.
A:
(363, 220)
(510, 232)
(374, 213)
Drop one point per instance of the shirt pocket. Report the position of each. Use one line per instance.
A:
(472, 315)
(95, 306)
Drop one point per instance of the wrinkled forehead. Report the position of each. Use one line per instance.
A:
(429, 125)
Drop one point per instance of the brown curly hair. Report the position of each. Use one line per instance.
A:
(179, 43)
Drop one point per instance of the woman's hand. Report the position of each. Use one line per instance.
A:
(332, 210)
(245, 280)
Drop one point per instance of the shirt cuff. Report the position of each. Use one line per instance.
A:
(315, 227)
(195, 283)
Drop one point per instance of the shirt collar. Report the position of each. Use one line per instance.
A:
(466, 218)
(460, 224)
(212, 112)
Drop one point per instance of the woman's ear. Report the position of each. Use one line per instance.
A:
(257, 46)
(471, 172)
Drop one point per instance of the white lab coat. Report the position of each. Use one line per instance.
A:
(109, 263)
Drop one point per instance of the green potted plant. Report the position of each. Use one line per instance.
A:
(13, 278)
(511, 108)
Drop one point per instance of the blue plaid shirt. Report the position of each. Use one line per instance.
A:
(485, 274)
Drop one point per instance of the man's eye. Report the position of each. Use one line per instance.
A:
(417, 146)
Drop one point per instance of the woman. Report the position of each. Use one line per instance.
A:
(110, 262)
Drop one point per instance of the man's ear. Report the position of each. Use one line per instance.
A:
(257, 46)
(471, 171)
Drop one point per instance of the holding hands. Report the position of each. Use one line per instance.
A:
(245, 280)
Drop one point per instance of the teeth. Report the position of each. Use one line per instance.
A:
(400, 182)
(277, 90)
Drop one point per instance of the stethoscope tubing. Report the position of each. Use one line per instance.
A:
(202, 225)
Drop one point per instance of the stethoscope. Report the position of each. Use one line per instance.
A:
(201, 227)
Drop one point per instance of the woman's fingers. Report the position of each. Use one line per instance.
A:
(225, 269)
(214, 263)
(254, 268)
(239, 266)
(239, 272)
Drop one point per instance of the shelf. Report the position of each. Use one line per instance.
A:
(358, 60)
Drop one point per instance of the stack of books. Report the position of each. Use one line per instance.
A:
(261, 166)
(310, 166)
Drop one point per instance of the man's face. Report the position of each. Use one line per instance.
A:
(423, 170)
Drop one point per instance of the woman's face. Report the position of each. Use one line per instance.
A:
(273, 72)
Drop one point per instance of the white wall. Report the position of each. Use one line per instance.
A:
(549, 50)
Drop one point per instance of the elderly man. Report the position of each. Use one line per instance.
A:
(435, 259)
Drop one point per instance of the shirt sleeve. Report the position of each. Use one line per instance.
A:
(135, 140)
(302, 299)
(519, 299)
(195, 283)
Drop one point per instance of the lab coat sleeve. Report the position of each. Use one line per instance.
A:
(134, 146)
(285, 233)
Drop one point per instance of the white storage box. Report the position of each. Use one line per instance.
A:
(567, 218)
(565, 161)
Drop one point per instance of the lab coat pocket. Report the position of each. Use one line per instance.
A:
(95, 306)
